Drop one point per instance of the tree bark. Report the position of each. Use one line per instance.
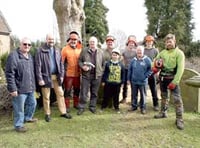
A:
(70, 17)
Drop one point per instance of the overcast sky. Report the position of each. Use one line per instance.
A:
(35, 18)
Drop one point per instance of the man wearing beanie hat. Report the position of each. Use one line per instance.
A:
(70, 55)
(112, 80)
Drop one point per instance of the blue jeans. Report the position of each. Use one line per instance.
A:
(24, 107)
(141, 89)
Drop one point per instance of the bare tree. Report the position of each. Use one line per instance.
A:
(121, 38)
(70, 17)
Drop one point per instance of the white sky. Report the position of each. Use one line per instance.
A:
(36, 18)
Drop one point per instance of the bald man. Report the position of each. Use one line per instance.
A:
(49, 74)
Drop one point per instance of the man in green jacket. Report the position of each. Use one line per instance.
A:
(170, 62)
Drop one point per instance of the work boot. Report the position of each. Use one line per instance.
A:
(156, 108)
(123, 101)
(21, 129)
(161, 115)
(67, 116)
(180, 124)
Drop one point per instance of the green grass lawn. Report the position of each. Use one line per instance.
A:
(106, 129)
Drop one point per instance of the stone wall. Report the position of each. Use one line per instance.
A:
(190, 95)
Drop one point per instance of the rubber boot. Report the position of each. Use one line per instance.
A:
(76, 101)
(164, 108)
(67, 104)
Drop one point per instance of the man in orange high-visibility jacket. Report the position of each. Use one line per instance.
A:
(70, 55)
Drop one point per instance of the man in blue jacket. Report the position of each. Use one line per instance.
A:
(138, 72)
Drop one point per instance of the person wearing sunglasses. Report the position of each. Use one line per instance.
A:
(21, 84)
(49, 74)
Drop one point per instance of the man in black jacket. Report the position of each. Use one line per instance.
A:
(21, 84)
(49, 74)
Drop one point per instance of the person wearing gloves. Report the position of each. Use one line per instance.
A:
(170, 62)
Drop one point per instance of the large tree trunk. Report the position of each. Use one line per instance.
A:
(70, 17)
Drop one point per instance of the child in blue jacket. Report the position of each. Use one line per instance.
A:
(112, 80)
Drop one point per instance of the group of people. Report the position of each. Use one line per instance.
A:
(78, 74)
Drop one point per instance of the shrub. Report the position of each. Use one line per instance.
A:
(3, 59)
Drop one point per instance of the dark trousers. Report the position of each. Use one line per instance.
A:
(153, 89)
(176, 96)
(111, 91)
(125, 85)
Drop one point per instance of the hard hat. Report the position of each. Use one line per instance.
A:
(110, 38)
(132, 38)
(149, 38)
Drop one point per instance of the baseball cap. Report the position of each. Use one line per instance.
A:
(116, 51)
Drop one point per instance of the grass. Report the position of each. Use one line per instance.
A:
(106, 129)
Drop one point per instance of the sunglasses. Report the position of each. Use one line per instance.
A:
(25, 44)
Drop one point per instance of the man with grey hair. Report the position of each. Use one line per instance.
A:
(138, 72)
(21, 84)
(91, 62)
